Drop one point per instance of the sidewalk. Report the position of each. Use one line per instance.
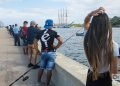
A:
(13, 63)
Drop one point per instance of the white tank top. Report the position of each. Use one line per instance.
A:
(106, 68)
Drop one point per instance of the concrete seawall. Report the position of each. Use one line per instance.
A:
(70, 73)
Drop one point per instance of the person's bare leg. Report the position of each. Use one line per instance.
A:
(49, 75)
(36, 57)
(24, 50)
(40, 73)
(31, 55)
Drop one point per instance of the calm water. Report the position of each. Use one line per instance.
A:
(73, 48)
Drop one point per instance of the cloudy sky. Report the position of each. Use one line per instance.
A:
(16, 11)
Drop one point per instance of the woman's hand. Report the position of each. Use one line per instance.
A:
(97, 12)
(93, 13)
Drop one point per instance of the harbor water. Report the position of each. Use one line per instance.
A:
(73, 48)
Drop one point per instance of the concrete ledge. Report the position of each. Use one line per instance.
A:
(70, 73)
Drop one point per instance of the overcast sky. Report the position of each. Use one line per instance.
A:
(16, 11)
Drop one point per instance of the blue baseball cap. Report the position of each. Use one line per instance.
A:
(48, 24)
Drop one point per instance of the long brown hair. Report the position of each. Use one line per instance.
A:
(98, 43)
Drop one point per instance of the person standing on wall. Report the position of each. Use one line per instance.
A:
(16, 31)
(48, 50)
(12, 30)
(38, 27)
(24, 36)
(100, 49)
(31, 34)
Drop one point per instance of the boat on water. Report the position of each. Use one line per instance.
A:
(63, 19)
(64, 26)
(80, 34)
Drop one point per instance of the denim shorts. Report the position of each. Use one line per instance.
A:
(47, 60)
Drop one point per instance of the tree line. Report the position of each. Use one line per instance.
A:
(115, 21)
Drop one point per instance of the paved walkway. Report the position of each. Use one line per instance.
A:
(13, 63)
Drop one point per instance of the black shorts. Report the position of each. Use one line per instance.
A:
(103, 80)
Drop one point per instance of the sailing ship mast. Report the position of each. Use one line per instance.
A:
(62, 17)
(66, 17)
(63, 14)
(59, 17)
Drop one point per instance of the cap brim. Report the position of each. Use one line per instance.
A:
(48, 27)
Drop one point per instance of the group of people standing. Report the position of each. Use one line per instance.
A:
(100, 49)
(14, 31)
(30, 36)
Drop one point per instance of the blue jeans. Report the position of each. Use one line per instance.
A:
(47, 60)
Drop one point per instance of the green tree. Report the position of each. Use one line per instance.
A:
(115, 21)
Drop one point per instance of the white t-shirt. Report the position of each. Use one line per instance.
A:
(116, 48)
(85, 31)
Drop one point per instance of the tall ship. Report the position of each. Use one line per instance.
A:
(63, 19)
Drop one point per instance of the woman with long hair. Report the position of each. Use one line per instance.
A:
(100, 49)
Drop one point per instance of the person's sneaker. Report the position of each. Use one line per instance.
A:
(30, 65)
(36, 67)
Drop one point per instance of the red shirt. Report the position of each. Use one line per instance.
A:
(25, 30)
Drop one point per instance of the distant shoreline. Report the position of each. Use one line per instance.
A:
(116, 26)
